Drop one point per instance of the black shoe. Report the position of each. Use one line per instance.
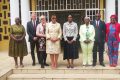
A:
(33, 64)
(42, 66)
(94, 64)
(46, 64)
(102, 64)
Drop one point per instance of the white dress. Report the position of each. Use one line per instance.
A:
(53, 31)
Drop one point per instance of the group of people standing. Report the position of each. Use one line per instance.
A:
(46, 37)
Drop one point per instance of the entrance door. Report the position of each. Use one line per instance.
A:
(78, 17)
(62, 16)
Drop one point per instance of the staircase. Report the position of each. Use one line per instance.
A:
(83, 73)
(30, 72)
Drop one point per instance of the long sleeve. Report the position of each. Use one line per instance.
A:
(37, 30)
(64, 32)
(47, 33)
(60, 32)
(28, 31)
(75, 32)
(92, 35)
(104, 30)
(81, 33)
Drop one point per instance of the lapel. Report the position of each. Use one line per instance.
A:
(99, 23)
(31, 24)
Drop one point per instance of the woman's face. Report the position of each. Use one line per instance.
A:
(17, 21)
(86, 21)
(43, 20)
(53, 19)
(113, 20)
(69, 18)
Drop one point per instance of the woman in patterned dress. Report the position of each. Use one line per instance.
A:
(17, 44)
(112, 38)
(53, 36)
(40, 32)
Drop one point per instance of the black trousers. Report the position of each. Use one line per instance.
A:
(34, 44)
(98, 47)
(42, 57)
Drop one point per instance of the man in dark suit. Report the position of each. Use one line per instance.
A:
(100, 29)
(31, 30)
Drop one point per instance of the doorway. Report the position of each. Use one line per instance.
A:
(78, 16)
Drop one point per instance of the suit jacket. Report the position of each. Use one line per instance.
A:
(31, 31)
(100, 33)
(83, 30)
(117, 31)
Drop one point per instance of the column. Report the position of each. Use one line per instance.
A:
(110, 9)
(14, 10)
(119, 11)
(25, 17)
(102, 9)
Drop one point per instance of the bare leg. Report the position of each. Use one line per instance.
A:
(56, 59)
(21, 62)
(52, 60)
(68, 61)
(16, 62)
(72, 65)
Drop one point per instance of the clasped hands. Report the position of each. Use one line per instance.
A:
(70, 42)
(54, 39)
(87, 41)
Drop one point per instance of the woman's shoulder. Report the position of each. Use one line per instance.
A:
(13, 25)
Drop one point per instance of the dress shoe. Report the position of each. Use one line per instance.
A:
(46, 64)
(94, 64)
(102, 64)
(42, 66)
(33, 64)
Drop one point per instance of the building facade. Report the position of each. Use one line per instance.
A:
(9, 9)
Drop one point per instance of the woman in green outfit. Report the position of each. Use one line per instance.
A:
(17, 44)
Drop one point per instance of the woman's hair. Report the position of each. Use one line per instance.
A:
(53, 15)
(41, 17)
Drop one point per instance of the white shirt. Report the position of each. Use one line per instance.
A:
(33, 23)
(97, 22)
(70, 30)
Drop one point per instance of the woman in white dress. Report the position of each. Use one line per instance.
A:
(53, 37)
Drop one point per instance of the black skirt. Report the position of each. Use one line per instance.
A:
(70, 50)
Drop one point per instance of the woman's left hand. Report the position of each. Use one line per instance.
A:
(54, 39)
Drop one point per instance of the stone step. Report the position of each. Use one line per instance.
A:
(64, 77)
(82, 70)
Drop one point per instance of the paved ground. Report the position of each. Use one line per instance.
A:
(8, 62)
